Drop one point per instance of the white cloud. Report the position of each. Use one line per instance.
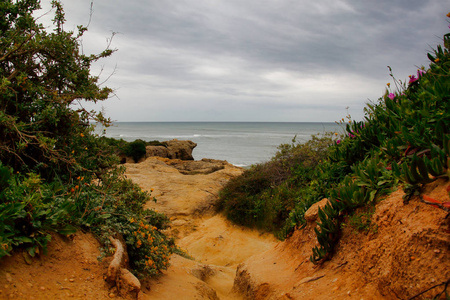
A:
(248, 60)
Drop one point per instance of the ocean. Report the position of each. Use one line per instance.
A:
(239, 143)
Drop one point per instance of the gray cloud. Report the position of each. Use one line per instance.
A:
(255, 60)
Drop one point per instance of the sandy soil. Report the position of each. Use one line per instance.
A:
(216, 245)
(407, 254)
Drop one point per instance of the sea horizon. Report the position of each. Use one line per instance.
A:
(239, 143)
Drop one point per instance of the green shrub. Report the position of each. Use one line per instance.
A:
(56, 174)
(136, 150)
(265, 195)
(28, 210)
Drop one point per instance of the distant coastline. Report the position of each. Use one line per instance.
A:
(240, 143)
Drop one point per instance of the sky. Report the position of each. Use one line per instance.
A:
(252, 60)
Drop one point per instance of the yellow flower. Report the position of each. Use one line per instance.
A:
(388, 84)
(436, 60)
(448, 15)
(81, 134)
(132, 220)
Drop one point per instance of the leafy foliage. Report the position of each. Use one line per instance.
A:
(42, 76)
(136, 150)
(56, 174)
(266, 195)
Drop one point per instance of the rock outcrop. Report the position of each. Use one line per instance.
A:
(313, 212)
(173, 149)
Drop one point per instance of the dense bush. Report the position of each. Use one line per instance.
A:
(136, 150)
(266, 194)
(56, 174)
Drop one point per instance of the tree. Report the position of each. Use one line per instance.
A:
(43, 74)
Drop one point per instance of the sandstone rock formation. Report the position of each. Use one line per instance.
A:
(173, 149)
(313, 212)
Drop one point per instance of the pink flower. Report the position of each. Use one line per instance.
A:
(391, 96)
(338, 142)
(420, 72)
(412, 79)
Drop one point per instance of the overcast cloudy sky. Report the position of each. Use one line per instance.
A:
(254, 60)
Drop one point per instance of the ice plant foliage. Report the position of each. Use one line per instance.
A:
(406, 138)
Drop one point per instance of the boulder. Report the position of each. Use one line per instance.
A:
(173, 149)
(312, 213)
(159, 151)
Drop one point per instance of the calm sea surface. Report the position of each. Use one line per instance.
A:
(240, 143)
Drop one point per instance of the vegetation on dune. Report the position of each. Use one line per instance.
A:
(56, 174)
(268, 194)
(403, 140)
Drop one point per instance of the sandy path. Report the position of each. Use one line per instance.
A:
(216, 245)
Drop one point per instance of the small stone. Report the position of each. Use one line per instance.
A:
(313, 212)
(412, 258)
(42, 288)
(71, 280)
(8, 277)
(112, 295)
(437, 251)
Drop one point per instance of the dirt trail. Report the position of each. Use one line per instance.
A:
(407, 254)
(216, 245)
